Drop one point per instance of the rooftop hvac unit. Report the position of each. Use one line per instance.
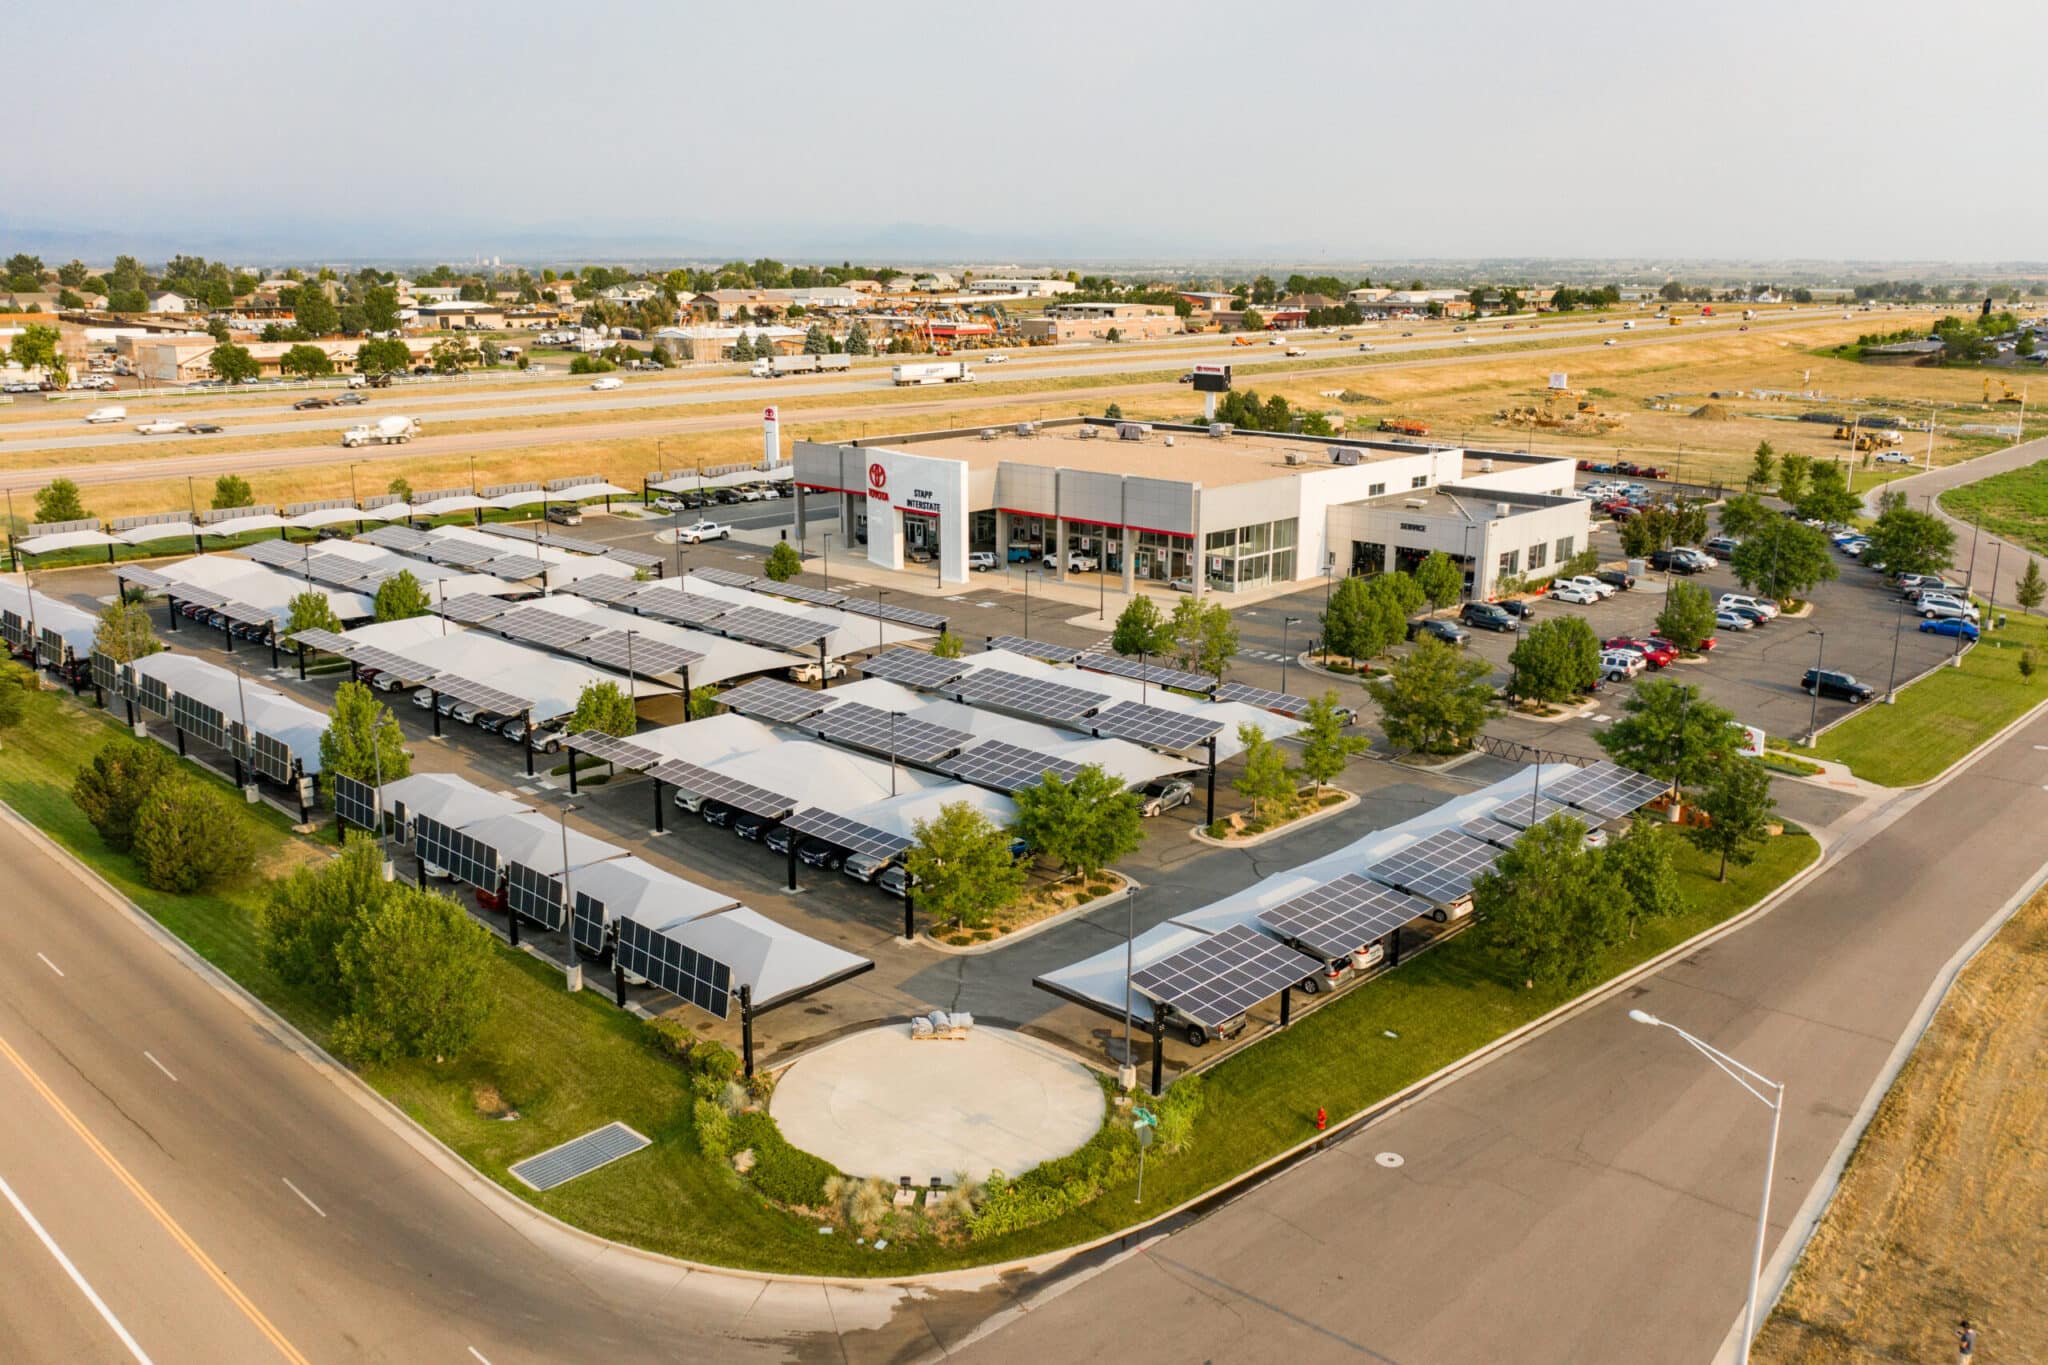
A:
(1169, 440)
(1296, 457)
(1027, 428)
(1089, 433)
(988, 433)
(1346, 455)
(1501, 509)
(1415, 504)
(1131, 431)
(1220, 429)
(1486, 465)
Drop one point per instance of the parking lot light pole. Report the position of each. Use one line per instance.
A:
(1285, 653)
(568, 898)
(1772, 1094)
(1891, 687)
(894, 716)
(1813, 711)
(828, 558)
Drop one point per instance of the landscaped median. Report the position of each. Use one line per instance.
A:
(1941, 718)
(549, 1066)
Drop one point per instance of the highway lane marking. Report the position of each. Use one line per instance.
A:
(51, 965)
(302, 1194)
(156, 1210)
(50, 1245)
(158, 1065)
(479, 1355)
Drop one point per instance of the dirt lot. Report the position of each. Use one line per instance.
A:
(1941, 1213)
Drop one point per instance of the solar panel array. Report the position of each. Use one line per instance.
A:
(1224, 975)
(1334, 919)
(107, 674)
(461, 553)
(724, 577)
(279, 554)
(488, 699)
(243, 614)
(469, 860)
(144, 578)
(851, 835)
(586, 923)
(550, 629)
(1524, 811)
(535, 895)
(356, 802)
(889, 611)
(1026, 695)
(770, 699)
(14, 629)
(153, 695)
(612, 749)
(1035, 649)
(326, 641)
(716, 786)
(603, 587)
(273, 758)
(913, 668)
(471, 607)
(515, 568)
(50, 647)
(683, 972)
(1608, 790)
(1286, 703)
(1176, 731)
(632, 559)
(1007, 768)
(640, 656)
(199, 720)
(1118, 666)
(678, 607)
(198, 597)
(798, 592)
(403, 539)
(868, 727)
(1493, 831)
(1440, 868)
(778, 629)
(384, 661)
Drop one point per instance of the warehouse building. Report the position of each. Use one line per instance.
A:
(1202, 508)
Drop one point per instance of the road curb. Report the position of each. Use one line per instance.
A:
(1201, 835)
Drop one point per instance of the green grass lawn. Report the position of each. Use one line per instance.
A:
(2013, 505)
(569, 1063)
(1945, 715)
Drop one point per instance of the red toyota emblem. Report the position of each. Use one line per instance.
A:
(878, 477)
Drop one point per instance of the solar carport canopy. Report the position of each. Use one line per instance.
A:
(1439, 868)
(1607, 790)
(531, 848)
(1221, 976)
(633, 886)
(1339, 917)
(706, 959)
(452, 800)
(293, 727)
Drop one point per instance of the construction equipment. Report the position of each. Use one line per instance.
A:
(1867, 438)
(2005, 392)
(1403, 426)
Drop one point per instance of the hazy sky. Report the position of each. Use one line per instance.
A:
(1304, 131)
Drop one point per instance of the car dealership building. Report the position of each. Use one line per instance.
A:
(1218, 509)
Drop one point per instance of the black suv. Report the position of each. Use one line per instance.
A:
(1673, 561)
(1827, 682)
(1486, 616)
(1442, 630)
(1616, 578)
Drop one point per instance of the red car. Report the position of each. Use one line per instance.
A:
(1655, 652)
(489, 900)
(1705, 644)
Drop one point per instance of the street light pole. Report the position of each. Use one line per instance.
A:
(568, 898)
(1891, 687)
(894, 716)
(1775, 1102)
(1285, 653)
(828, 558)
(1813, 711)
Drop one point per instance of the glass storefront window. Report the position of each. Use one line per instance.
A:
(1257, 553)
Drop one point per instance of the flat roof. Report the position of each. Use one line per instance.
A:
(1194, 456)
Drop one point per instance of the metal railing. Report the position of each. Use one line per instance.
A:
(1516, 751)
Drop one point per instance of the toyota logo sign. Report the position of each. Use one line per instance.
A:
(878, 477)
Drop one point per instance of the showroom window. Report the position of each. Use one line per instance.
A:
(1246, 555)
(1566, 547)
(1510, 563)
(1538, 556)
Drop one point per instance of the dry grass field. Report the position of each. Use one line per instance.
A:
(1943, 1211)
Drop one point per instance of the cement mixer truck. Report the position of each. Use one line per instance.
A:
(387, 431)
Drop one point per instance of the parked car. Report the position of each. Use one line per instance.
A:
(1751, 614)
(981, 561)
(809, 672)
(1910, 583)
(1572, 592)
(609, 381)
(1617, 579)
(864, 867)
(1487, 616)
(424, 699)
(1734, 620)
(1440, 629)
(565, 514)
(1521, 608)
(466, 712)
(818, 853)
(700, 531)
(1722, 546)
(1762, 605)
(716, 813)
(1894, 457)
(1655, 654)
(1674, 561)
(1620, 665)
(1600, 590)
(750, 826)
(779, 839)
(1935, 605)
(1181, 584)
(1164, 794)
(1705, 646)
(668, 503)
(1828, 682)
(1949, 625)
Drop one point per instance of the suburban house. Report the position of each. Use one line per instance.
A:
(169, 301)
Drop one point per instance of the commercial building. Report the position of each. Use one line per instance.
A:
(1216, 509)
(187, 358)
(1030, 289)
(1094, 321)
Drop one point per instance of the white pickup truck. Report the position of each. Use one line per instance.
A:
(161, 426)
(703, 531)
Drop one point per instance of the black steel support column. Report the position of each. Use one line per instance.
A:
(824, 666)
(302, 663)
(1286, 1003)
(181, 742)
(227, 633)
(909, 914)
(686, 694)
(1394, 947)
(659, 814)
(273, 646)
(747, 1028)
(1158, 1050)
(572, 772)
(618, 980)
(793, 836)
(526, 740)
(99, 696)
(1212, 780)
(174, 612)
(434, 709)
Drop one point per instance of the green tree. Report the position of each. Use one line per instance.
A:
(313, 311)
(1549, 907)
(400, 597)
(1761, 470)
(124, 632)
(17, 682)
(1906, 541)
(1434, 699)
(300, 925)
(1827, 499)
(1792, 472)
(948, 646)
(742, 347)
(387, 355)
(1253, 320)
(417, 972)
(305, 361)
(1668, 730)
(1216, 643)
(447, 356)
(1586, 561)
(1325, 748)
(110, 789)
(358, 722)
(1744, 514)
(1688, 615)
(380, 308)
(1784, 560)
(217, 328)
(591, 364)
(59, 501)
(1735, 796)
(1688, 521)
(232, 490)
(1348, 625)
(1404, 592)
(233, 363)
(815, 341)
(1647, 532)
(400, 489)
(1643, 860)
(784, 563)
(188, 839)
(1183, 637)
(311, 610)
(2031, 589)
(1267, 782)
(1556, 661)
(1083, 824)
(603, 706)
(857, 342)
(37, 347)
(1440, 580)
(962, 865)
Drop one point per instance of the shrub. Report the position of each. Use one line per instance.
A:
(187, 838)
(714, 1130)
(110, 789)
(671, 1038)
(780, 1171)
(417, 970)
(715, 1062)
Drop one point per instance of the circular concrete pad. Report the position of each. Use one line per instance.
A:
(878, 1104)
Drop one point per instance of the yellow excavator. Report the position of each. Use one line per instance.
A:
(2004, 392)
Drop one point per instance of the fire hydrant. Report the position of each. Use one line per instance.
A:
(1322, 1118)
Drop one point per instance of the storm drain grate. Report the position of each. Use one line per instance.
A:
(578, 1156)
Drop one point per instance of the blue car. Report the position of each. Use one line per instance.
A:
(1952, 625)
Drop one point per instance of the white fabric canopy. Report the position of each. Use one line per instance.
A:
(530, 498)
(578, 492)
(235, 526)
(461, 502)
(165, 530)
(332, 516)
(65, 540)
